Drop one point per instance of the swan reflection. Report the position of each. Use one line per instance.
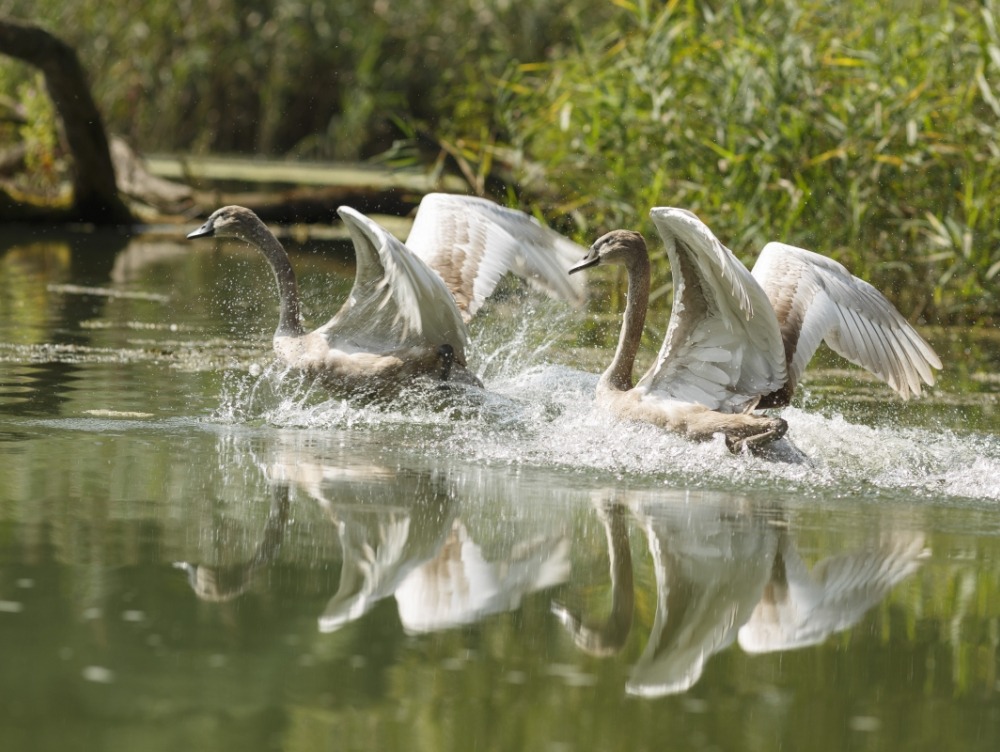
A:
(450, 546)
(729, 571)
(418, 537)
(607, 637)
(219, 584)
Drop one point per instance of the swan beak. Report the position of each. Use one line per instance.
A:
(591, 259)
(207, 230)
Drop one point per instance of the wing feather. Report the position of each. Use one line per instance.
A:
(816, 299)
(397, 300)
(472, 242)
(720, 316)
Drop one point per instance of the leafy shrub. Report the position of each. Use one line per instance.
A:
(316, 79)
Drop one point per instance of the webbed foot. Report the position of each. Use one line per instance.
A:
(754, 443)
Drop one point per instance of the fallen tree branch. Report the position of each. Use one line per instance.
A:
(95, 196)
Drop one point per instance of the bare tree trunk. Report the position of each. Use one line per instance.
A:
(95, 192)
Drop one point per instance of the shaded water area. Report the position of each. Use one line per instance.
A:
(198, 551)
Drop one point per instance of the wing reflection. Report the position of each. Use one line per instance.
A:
(801, 608)
(383, 543)
(711, 562)
(727, 570)
(460, 586)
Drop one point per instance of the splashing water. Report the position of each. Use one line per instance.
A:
(537, 413)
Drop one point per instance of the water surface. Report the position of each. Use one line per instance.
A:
(197, 550)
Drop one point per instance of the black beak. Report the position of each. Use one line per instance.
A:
(207, 230)
(591, 259)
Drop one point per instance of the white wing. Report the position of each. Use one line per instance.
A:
(801, 608)
(722, 348)
(397, 300)
(815, 298)
(472, 242)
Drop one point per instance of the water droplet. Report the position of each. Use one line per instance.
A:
(864, 723)
(98, 674)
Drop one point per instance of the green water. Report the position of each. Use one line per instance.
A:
(198, 552)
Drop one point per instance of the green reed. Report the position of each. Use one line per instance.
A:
(867, 133)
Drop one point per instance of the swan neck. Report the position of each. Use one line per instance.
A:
(289, 316)
(619, 373)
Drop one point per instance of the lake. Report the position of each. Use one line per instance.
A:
(199, 551)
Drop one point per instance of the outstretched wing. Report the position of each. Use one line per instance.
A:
(816, 299)
(397, 300)
(472, 242)
(722, 349)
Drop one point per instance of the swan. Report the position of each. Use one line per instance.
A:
(739, 341)
(408, 311)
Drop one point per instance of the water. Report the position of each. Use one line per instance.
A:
(199, 551)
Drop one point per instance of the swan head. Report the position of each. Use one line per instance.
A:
(615, 247)
(228, 222)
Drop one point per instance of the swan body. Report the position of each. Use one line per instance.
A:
(407, 313)
(739, 341)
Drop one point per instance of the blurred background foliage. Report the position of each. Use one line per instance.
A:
(866, 132)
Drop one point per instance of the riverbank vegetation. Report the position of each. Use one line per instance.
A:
(866, 132)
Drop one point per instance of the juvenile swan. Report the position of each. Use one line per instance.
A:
(407, 312)
(739, 341)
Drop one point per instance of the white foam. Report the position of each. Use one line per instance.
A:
(539, 414)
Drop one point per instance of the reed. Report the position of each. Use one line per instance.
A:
(866, 133)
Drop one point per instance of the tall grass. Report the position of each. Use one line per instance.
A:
(867, 132)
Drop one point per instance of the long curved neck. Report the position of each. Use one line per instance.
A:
(289, 316)
(619, 373)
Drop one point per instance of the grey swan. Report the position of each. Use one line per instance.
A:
(739, 341)
(407, 313)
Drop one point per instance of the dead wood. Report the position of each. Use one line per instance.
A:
(95, 196)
